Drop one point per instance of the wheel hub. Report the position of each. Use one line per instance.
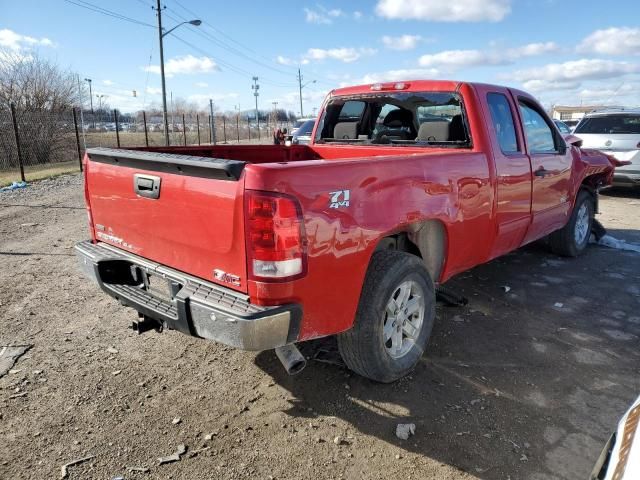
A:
(403, 318)
(581, 229)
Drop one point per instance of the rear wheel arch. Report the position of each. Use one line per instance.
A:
(426, 239)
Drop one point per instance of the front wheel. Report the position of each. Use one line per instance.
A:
(394, 318)
(572, 240)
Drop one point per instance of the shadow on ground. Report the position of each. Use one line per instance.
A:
(527, 383)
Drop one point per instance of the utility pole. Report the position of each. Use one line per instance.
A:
(213, 126)
(275, 115)
(255, 87)
(90, 94)
(237, 107)
(164, 87)
(161, 35)
(300, 87)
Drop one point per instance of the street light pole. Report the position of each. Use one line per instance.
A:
(161, 35)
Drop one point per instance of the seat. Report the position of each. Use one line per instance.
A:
(437, 131)
(346, 130)
(457, 131)
(398, 124)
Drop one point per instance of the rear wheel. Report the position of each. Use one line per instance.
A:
(394, 318)
(572, 240)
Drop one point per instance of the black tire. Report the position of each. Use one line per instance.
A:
(363, 347)
(564, 241)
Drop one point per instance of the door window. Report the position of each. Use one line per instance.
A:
(503, 122)
(539, 134)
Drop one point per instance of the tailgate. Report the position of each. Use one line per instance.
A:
(177, 210)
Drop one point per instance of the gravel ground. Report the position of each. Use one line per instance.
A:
(513, 386)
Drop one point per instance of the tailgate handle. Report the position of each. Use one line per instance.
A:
(146, 185)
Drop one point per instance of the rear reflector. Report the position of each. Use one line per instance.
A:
(276, 243)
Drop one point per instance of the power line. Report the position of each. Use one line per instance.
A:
(231, 67)
(216, 29)
(226, 46)
(109, 13)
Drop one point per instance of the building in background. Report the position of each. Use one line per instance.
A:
(569, 114)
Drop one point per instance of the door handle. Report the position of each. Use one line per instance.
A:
(147, 186)
(541, 172)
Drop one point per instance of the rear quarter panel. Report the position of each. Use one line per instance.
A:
(386, 195)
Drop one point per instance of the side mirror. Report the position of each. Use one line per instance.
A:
(573, 140)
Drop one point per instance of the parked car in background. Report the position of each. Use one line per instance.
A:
(620, 458)
(302, 134)
(571, 124)
(616, 132)
(298, 123)
(563, 127)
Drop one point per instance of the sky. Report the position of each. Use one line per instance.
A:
(568, 52)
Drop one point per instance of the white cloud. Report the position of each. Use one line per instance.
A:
(154, 90)
(187, 64)
(532, 50)
(445, 10)
(612, 41)
(284, 60)
(538, 85)
(403, 42)
(322, 16)
(357, 15)
(108, 83)
(343, 54)
(576, 70)
(455, 59)
(395, 75)
(201, 84)
(14, 41)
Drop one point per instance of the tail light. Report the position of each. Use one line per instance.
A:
(276, 242)
(85, 168)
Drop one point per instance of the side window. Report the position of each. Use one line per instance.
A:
(539, 134)
(503, 122)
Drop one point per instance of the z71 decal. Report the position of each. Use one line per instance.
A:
(339, 199)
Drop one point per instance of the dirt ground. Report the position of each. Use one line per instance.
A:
(513, 386)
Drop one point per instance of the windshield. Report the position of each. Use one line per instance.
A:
(306, 128)
(611, 124)
(395, 118)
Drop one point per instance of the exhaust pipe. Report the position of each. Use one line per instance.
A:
(291, 359)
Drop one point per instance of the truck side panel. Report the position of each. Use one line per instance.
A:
(349, 205)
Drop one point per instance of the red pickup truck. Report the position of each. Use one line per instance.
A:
(403, 185)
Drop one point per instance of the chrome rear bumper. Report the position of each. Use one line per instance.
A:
(196, 307)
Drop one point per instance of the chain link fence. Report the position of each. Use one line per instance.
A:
(37, 144)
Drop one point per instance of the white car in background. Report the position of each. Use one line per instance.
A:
(620, 458)
(616, 132)
(302, 134)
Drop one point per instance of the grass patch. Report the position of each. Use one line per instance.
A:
(38, 172)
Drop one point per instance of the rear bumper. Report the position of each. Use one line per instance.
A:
(197, 307)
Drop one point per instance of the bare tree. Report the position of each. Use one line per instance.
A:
(43, 94)
(34, 83)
